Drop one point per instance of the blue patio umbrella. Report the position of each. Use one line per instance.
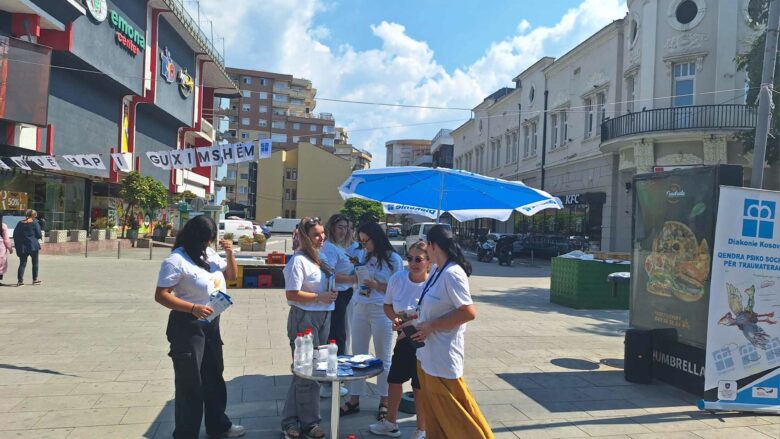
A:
(433, 191)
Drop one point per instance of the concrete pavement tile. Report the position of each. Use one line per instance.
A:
(167, 385)
(544, 429)
(19, 420)
(145, 375)
(266, 394)
(611, 407)
(668, 423)
(138, 415)
(502, 412)
(607, 426)
(550, 410)
(140, 399)
(665, 435)
(499, 396)
(114, 431)
(8, 379)
(771, 419)
(108, 387)
(730, 433)
(165, 430)
(771, 430)
(81, 418)
(38, 433)
(7, 403)
(261, 423)
(132, 365)
(726, 420)
(253, 409)
(63, 402)
(85, 377)
(494, 383)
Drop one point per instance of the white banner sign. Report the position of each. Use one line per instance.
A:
(20, 162)
(120, 161)
(265, 148)
(45, 162)
(4, 166)
(245, 152)
(161, 159)
(86, 161)
(743, 336)
(204, 156)
(229, 153)
(183, 159)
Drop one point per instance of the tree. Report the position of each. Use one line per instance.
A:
(141, 191)
(363, 210)
(752, 63)
(186, 196)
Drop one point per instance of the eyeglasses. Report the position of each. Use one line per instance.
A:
(364, 242)
(416, 259)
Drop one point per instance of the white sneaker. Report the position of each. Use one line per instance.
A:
(418, 434)
(385, 428)
(325, 391)
(343, 391)
(234, 431)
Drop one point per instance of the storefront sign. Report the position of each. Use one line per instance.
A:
(571, 199)
(126, 35)
(13, 200)
(186, 83)
(98, 9)
(743, 331)
(167, 68)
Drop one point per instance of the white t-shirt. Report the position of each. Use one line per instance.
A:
(402, 293)
(380, 274)
(337, 259)
(354, 251)
(301, 274)
(442, 355)
(189, 281)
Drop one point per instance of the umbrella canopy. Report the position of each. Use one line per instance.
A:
(433, 191)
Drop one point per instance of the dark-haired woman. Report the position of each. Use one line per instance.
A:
(188, 276)
(27, 236)
(445, 307)
(368, 319)
(6, 247)
(306, 280)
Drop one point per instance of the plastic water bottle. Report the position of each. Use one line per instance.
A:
(308, 348)
(333, 359)
(298, 354)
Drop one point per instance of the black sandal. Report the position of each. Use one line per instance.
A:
(381, 413)
(291, 432)
(351, 409)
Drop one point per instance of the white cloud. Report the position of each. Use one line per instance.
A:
(282, 36)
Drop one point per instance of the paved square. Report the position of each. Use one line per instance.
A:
(84, 356)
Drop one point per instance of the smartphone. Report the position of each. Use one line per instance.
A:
(410, 331)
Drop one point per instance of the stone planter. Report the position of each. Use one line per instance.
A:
(170, 239)
(98, 235)
(57, 236)
(78, 235)
(143, 243)
(112, 234)
(251, 247)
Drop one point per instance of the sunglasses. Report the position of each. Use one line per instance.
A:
(313, 221)
(416, 259)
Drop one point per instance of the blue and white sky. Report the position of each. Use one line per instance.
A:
(424, 52)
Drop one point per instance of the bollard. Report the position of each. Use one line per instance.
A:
(119, 249)
(151, 246)
(86, 248)
(285, 246)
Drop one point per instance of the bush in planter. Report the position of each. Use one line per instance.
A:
(228, 237)
(246, 243)
(260, 240)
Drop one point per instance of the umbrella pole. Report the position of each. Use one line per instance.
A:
(441, 195)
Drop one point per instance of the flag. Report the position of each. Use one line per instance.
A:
(120, 161)
(265, 148)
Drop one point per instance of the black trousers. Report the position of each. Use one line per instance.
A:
(338, 320)
(23, 265)
(196, 351)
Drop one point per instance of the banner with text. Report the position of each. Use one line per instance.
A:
(743, 335)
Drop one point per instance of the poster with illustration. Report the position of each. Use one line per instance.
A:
(742, 370)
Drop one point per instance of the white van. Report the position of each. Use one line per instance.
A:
(419, 232)
(282, 225)
(238, 228)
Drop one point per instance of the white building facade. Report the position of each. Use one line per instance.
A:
(655, 90)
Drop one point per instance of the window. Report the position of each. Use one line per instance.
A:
(233, 119)
(686, 11)
(246, 93)
(279, 138)
(280, 86)
(296, 139)
(264, 81)
(328, 129)
(296, 126)
(564, 127)
(601, 107)
(327, 142)
(280, 98)
(243, 176)
(263, 109)
(498, 152)
(262, 95)
(684, 79)
(278, 124)
(262, 123)
(533, 138)
(531, 94)
(508, 143)
(297, 101)
(287, 213)
(246, 107)
(313, 140)
(246, 79)
(313, 128)
(526, 141)
(280, 112)
(287, 194)
(515, 146)
(553, 131)
(292, 212)
(244, 135)
(294, 194)
(588, 117)
(630, 93)
(245, 121)
(291, 173)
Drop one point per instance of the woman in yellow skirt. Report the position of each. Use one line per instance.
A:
(445, 307)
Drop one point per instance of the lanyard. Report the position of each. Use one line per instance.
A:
(431, 281)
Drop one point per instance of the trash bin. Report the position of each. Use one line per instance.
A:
(638, 356)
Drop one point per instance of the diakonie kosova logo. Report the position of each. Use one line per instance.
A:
(758, 218)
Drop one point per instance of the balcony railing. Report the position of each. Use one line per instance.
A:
(727, 116)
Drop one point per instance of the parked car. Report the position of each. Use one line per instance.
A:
(236, 227)
(551, 245)
(419, 232)
(283, 225)
(393, 233)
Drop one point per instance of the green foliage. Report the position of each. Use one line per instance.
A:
(260, 238)
(184, 196)
(228, 237)
(144, 192)
(362, 211)
(753, 63)
(245, 240)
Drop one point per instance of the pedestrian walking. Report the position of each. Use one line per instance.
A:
(369, 321)
(188, 277)
(334, 254)
(401, 301)
(27, 236)
(6, 247)
(134, 225)
(306, 280)
(445, 306)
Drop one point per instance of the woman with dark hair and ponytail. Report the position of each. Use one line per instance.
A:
(445, 306)
(188, 277)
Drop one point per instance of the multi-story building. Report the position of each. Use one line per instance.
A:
(405, 152)
(358, 158)
(102, 77)
(301, 181)
(441, 149)
(271, 106)
(658, 89)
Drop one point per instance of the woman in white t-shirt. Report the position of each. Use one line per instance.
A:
(445, 308)
(188, 277)
(368, 318)
(306, 280)
(401, 300)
